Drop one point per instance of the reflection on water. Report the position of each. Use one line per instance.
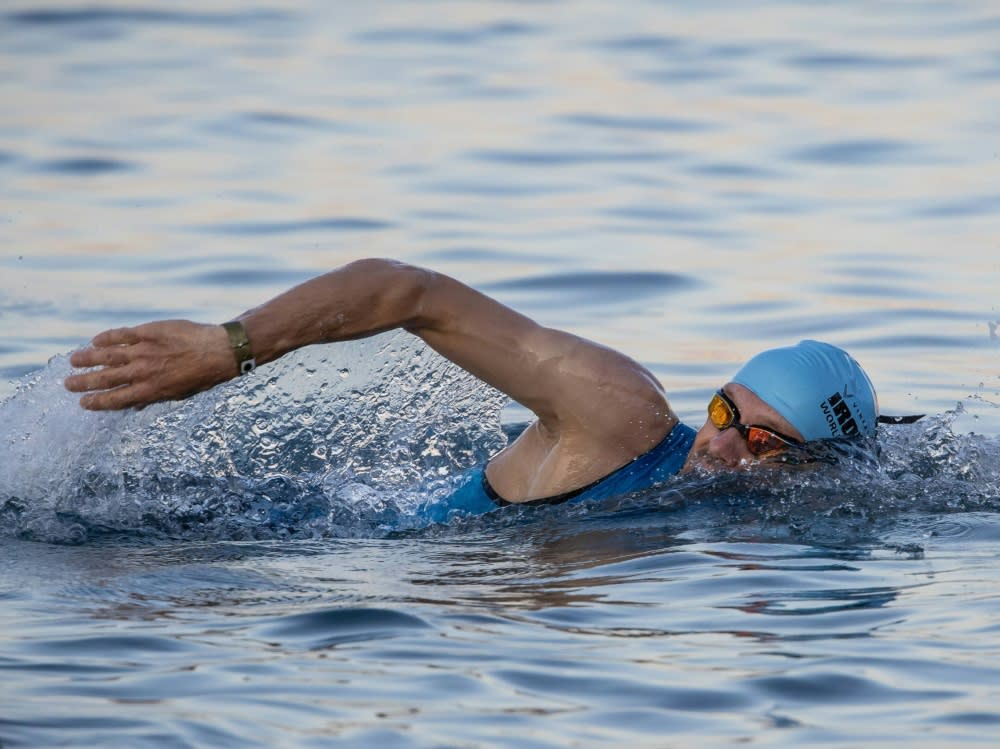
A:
(688, 183)
(685, 633)
(750, 158)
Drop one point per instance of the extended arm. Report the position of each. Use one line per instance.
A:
(573, 385)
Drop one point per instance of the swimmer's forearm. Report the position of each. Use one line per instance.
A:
(560, 377)
(174, 359)
(565, 380)
(366, 297)
(358, 300)
(492, 341)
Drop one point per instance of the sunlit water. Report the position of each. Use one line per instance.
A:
(255, 567)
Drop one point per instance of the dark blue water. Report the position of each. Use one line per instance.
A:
(688, 184)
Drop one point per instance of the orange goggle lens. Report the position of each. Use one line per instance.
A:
(723, 414)
(720, 413)
(760, 441)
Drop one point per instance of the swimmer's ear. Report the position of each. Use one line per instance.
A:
(900, 419)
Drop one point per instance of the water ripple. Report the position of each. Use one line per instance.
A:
(99, 15)
(327, 628)
(294, 227)
(977, 205)
(923, 313)
(244, 276)
(860, 152)
(111, 646)
(284, 119)
(970, 718)
(981, 74)
(87, 166)
(668, 214)
(274, 124)
(731, 170)
(681, 75)
(446, 37)
(505, 189)
(873, 290)
(488, 255)
(666, 45)
(567, 158)
(623, 692)
(16, 371)
(601, 286)
(841, 688)
(914, 341)
(842, 61)
(653, 124)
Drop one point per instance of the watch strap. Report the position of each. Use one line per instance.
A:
(240, 343)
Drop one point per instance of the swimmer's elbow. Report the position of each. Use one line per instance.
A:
(378, 267)
(397, 291)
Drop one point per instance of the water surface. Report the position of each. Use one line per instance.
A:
(689, 184)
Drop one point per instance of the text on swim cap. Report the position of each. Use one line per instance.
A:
(838, 415)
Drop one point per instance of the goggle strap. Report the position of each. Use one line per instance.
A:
(900, 419)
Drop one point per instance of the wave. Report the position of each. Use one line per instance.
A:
(349, 440)
(912, 485)
(366, 439)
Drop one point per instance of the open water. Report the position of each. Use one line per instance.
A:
(688, 182)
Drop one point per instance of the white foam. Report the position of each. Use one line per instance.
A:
(329, 425)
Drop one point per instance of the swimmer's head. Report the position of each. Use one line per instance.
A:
(818, 388)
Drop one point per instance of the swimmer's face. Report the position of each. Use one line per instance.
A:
(716, 448)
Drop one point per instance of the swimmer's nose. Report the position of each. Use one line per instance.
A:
(728, 447)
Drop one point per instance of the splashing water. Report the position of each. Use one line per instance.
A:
(917, 471)
(343, 440)
(358, 440)
(911, 486)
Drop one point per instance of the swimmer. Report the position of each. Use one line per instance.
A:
(603, 423)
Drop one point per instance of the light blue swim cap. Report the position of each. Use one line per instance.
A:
(817, 387)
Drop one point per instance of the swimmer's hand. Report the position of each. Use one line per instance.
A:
(158, 361)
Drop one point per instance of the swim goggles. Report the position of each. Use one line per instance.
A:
(723, 414)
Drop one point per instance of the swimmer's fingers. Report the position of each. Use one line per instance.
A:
(118, 337)
(108, 349)
(102, 379)
(127, 396)
(101, 357)
(158, 361)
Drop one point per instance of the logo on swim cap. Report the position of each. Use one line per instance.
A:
(817, 387)
(839, 416)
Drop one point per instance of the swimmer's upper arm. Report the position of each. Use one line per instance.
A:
(576, 387)
(570, 383)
